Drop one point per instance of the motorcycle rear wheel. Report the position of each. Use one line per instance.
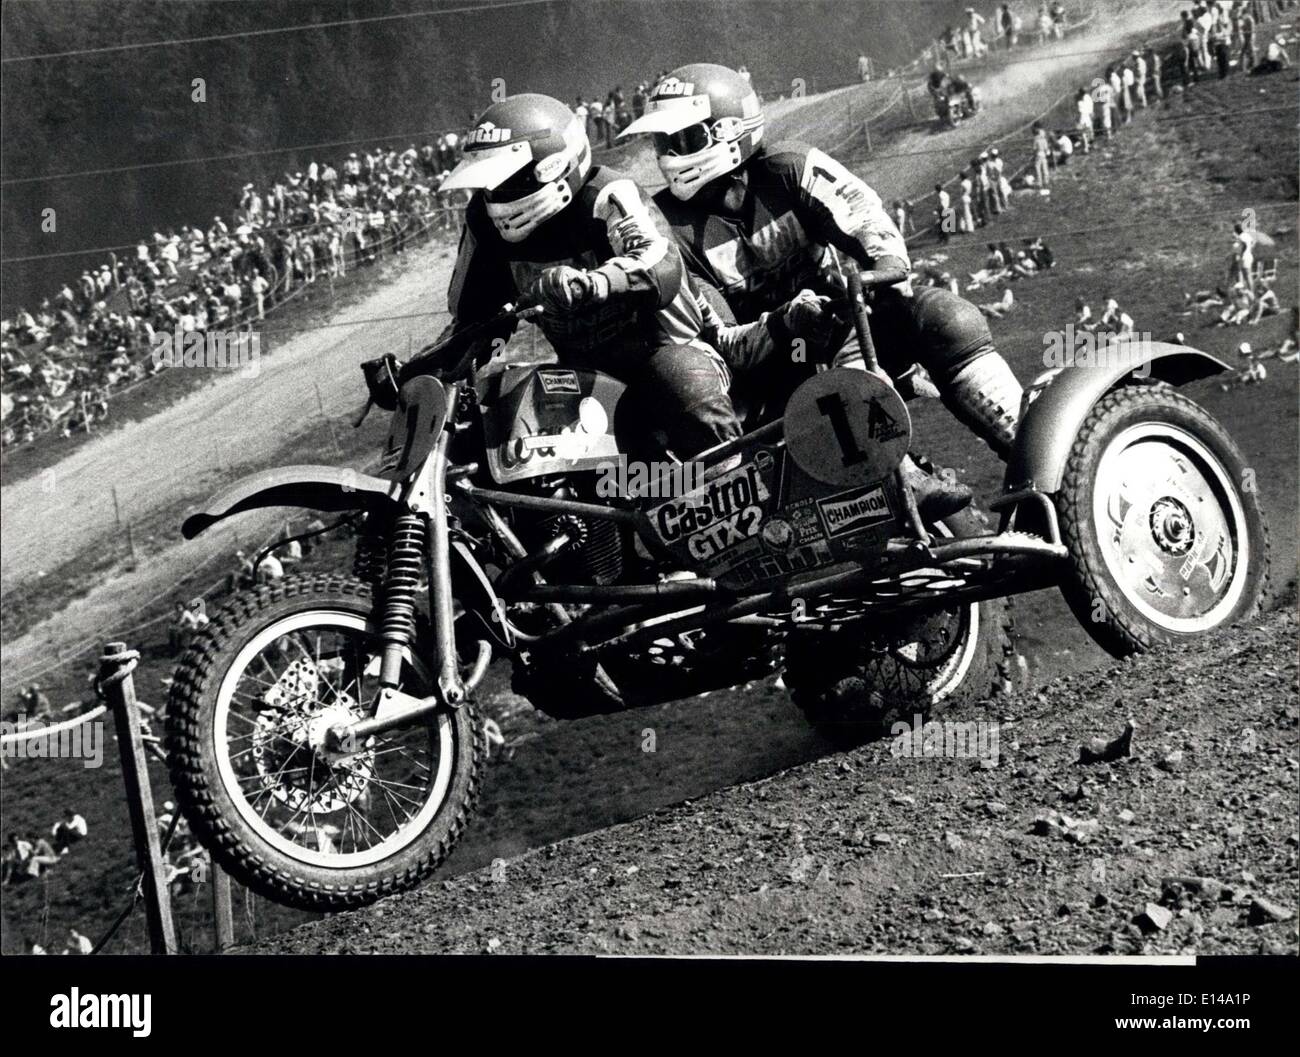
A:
(282, 814)
(852, 685)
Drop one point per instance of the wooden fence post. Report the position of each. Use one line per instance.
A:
(221, 911)
(115, 667)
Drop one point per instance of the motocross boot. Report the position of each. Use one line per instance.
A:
(985, 397)
(936, 497)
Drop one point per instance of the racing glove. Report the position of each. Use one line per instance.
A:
(563, 290)
(807, 316)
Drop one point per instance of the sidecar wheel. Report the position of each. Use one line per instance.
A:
(852, 685)
(1166, 541)
(289, 817)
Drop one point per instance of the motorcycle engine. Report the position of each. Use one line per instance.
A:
(595, 552)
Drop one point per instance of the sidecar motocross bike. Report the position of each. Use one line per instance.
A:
(322, 734)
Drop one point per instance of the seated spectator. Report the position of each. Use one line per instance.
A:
(16, 855)
(1275, 58)
(1115, 320)
(78, 944)
(998, 309)
(43, 856)
(269, 569)
(1064, 149)
(1039, 251)
(1237, 310)
(68, 830)
(1023, 267)
(1266, 302)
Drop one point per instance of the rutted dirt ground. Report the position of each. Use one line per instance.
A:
(1187, 844)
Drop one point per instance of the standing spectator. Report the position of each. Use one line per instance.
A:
(966, 222)
(1246, 30)
(1204, 19)
(1153, 68)
(972, 40)
(260, 286)
(979, 184)
(1140, 78)
(942, 210)
(1191, 50)
(1242, 269)
(1044, 24)
(1084, 106)
(1009, 23)
(1101, 101)
(997, 179)
(901, 210)
(1119, 95)
(1058, 20)
(1042, 156)
(639, 100)
(1220, 46)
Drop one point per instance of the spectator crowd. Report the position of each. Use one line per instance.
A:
(61, 363)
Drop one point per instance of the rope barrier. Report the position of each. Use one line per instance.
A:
(57, 728)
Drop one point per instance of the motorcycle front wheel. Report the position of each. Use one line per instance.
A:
(1166, 537)
(280, 810)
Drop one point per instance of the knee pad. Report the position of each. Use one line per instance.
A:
(951, 332)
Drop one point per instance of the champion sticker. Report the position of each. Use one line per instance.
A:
(559, 381)
(851, 511)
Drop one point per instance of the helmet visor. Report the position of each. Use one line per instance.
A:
(690, 140)
(514, 187)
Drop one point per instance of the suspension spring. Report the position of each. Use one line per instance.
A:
(405, 561)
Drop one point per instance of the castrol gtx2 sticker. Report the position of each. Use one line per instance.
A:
(716, 517)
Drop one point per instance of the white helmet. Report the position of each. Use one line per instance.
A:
(528, 154)
(706, 121)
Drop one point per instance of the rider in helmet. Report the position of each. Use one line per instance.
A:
(759, 223)
(544, 224)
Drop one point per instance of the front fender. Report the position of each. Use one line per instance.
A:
(1056, 414)
(313, 487)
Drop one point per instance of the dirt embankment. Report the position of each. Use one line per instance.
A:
(1187, 844)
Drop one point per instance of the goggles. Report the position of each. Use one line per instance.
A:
(697, 137)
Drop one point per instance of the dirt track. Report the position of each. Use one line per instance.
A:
(869, 852)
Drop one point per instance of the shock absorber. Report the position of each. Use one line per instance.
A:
(405, 560)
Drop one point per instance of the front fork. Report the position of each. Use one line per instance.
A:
(420, 538)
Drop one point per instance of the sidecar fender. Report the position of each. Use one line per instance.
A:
(312, 487)
(1060, 402)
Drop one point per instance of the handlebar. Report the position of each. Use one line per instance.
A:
(467, 336)
(386, 374)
